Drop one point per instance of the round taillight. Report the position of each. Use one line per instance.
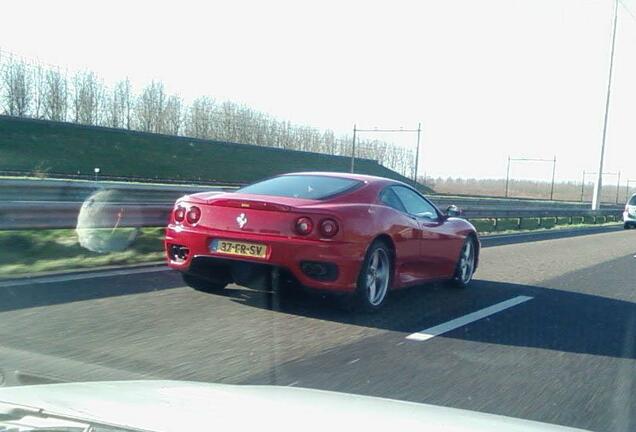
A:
(179, 214)
(329, 227)
(304, 225)
(193, 215)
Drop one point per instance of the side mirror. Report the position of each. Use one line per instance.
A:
(453, 211)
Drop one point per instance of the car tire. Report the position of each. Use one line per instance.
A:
(465, 269)
(374, 279)
(202, 284)
(627, 225)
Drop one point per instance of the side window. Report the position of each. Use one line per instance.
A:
(415, 204)
(389, 198)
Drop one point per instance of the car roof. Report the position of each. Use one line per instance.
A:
(360, 177)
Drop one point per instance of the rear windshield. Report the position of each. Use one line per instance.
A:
(633, 201)
(302, 186)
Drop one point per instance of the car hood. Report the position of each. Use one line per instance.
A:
(181, 406)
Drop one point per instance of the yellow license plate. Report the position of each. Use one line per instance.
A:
(239, 248)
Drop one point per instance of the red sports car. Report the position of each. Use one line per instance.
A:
(336, 232)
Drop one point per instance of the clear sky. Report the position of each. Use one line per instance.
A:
(487, 78)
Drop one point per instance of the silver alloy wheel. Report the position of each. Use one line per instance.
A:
(377, 276)
(467, 263)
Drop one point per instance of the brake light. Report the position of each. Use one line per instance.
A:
(329, 227)
(193, 215)
(251, 204)
(179, 214)
(304, 226)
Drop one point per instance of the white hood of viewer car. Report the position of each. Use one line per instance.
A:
(191, 406)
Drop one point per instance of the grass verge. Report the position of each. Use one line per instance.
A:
(36, 251)
(553, 228)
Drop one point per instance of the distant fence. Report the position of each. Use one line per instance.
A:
(78, 191)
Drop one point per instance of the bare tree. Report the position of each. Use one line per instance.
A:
(55, 96)
(125, 96)
(18, 89)
(149, 108)
(274, 133)
(101, 103)
(329, 144)
(39, 90)
(113, 110)
(118, 106)
(88, 94)
(172, 116)
(201, 118)
(227, 126)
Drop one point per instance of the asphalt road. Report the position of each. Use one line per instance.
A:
(565, 354)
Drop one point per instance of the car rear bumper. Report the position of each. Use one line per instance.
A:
(291, 254)
(631, 218)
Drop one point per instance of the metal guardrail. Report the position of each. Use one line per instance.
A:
(32, 215)
(78, 191)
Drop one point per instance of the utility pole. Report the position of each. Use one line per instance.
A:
(596, 198)
(553, 171)
(583, 186)
(417, 153)
(353, 149)
(507, 176)
(618, 186)
(618, 174)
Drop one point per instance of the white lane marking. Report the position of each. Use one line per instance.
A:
(350, 362)
(80, 276)
(431, 332)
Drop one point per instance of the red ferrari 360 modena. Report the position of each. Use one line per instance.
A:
(343, 233)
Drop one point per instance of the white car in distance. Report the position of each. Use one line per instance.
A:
(629, 215)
